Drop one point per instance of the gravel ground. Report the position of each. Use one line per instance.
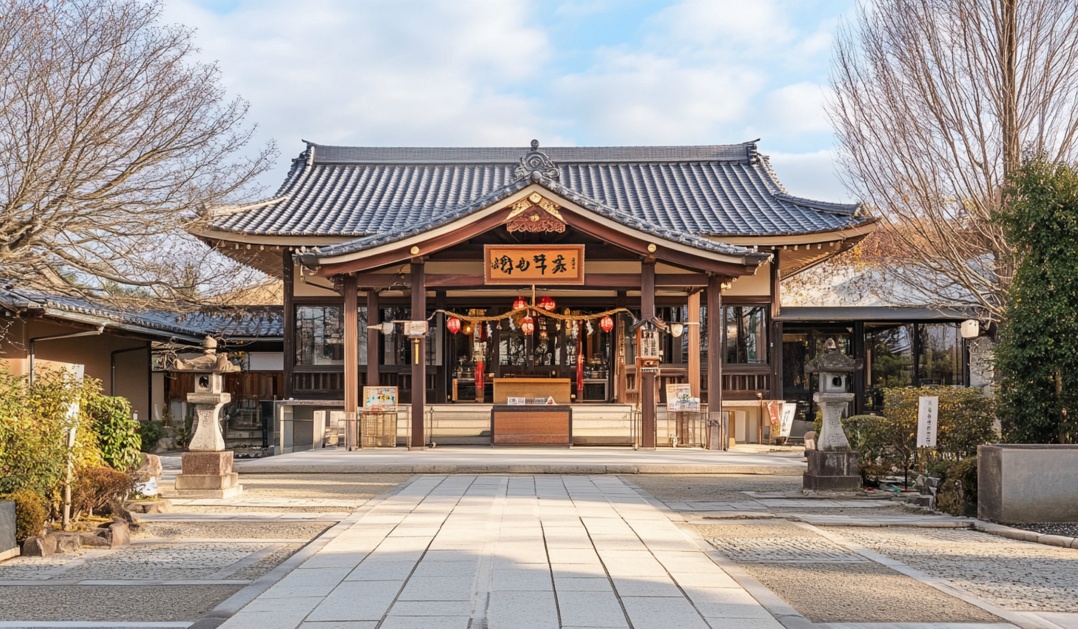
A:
(826, 582)
(231, 530)
(1016, 575)
(167, 552)
(1066, 529)
(104, 603)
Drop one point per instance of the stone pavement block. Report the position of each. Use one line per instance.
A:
(582, 584)
(324, 559)
(425, 622)
(662, 613)
(522, 610)
(289, 605)
(631, 563)
(532, 578)
(646, 586)
(573, 555)
(318, 581)
(591, 609)
(573, 570)
(711, 578)
(719, 622)
(339, 625)
(382, 570)
(357, 600)
(438, 589)
(431, 608)
(458, 569)
(281, 619)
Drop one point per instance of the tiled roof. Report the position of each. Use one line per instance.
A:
(628, 220)
(725, 190)
(260, 322)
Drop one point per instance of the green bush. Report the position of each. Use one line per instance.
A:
(31, 513)
(117, 431)
(887, 444)
(97, 488)
(151, 432)
(33, 423)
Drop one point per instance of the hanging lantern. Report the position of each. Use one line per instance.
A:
(546, 302)
(527, 325)
(606, 323)
(453, 325)
(519, 303)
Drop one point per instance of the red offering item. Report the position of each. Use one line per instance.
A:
(453, 325)
(606, 323)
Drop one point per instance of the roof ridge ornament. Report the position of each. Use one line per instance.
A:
(536, 165)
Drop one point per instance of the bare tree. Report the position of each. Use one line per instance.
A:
(113, 137)
(934, 103)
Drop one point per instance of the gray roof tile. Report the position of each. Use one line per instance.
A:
(726, 190)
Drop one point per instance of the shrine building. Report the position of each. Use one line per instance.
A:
(553, 295)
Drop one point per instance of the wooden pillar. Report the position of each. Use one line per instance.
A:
(288, 273)
(776, 329)
(419, 372)
(714, 357)
(374, 339)
(351, 357)
(440, 303)
(647, 378)
(694, 342)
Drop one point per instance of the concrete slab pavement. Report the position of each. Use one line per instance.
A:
(524, 460)
(508, 551)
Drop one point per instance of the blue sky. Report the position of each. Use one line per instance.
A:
(501, 72)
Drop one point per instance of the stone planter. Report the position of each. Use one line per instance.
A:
(1027, 483)
(8, 547)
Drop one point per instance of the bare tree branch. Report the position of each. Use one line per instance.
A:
(934, 102)
(113, 138)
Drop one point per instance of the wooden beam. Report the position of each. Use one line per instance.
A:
(351, 357)
(775, 354)
(380, 281)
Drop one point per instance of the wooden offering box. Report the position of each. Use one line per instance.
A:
(531, 425)
(558, 388)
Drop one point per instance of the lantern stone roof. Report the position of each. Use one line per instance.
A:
(688, 191)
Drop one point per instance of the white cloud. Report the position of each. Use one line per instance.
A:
(811, 175)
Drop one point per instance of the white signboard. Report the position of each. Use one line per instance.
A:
(786, 419)
(927, 420)
(679, 398)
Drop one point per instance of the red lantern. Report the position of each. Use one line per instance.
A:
(546, 302)
(519, 303)
(453, 325)
(606, 323)
(527, 325)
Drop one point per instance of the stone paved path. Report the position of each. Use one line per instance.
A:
(508, 551)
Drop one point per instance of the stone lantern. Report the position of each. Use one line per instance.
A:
(832, 466)
(207, 467)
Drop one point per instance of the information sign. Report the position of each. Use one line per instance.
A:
(379, 399)
(534, 264)
(927, 420)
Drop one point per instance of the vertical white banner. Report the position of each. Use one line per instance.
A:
(927, 420)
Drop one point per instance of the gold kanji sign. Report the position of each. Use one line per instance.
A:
(534, 264)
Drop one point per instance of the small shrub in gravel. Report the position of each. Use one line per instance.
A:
(957, 493)
(100, 488)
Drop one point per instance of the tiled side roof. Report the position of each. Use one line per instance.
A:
(260, 322)
(702, 190)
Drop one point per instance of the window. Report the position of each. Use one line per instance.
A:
(746, 335)
(320, 335)
(940, 359)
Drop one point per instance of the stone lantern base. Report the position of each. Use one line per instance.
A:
(207, 475)
(832, 471)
